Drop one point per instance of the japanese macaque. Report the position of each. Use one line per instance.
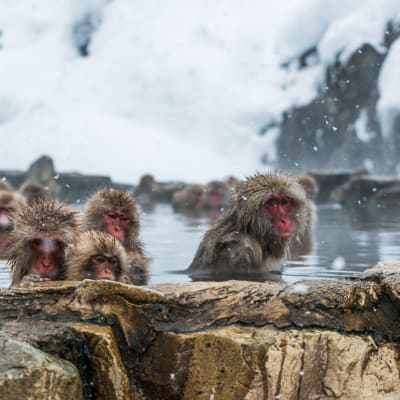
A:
(9, 202)
(96, 255)
(115, 212)
(309, 184)
(147, 187)
(33, 192)
(191, 197)
(305, 243)
(217, 195)
(37, 242)
(252, 238)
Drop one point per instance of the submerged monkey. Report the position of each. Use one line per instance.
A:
(305, 243)
(253, 236)
(10, 201)
(115, 212)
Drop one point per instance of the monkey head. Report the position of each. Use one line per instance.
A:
(271, 206)
(96, 255)
(9, 202)
(309, 184)
(38, 239)
(115, 212)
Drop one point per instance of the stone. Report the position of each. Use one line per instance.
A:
(325, 339)
(325, 133)
(28, 373)
(265, 363)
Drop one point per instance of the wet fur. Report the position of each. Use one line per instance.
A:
(88, 244)
(8, 199)
(242, 241)
(191, 197)
(305, 243)
(109, 198)
(41, 219)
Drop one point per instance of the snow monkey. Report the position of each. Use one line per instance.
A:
(9, 202)
(306, 241)
(33, 192)
(37, 242)
(253, 236)
(115, 212)
(191, 197)
(96, 255)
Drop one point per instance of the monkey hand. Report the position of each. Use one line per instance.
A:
(34, 278)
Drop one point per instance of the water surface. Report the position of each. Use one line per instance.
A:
(346, 244)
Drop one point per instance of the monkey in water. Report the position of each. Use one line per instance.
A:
(252, 238)
(115, 212)
(96, 255)
(33, 192)
(305, 243)
(37, 242)
(10, 201)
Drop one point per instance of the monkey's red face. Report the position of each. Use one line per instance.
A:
(105, 267)
(279, 208)
(116, 223)
(46, 250)
(215, 198)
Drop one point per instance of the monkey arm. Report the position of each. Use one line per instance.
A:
(137, 273)
(34, 278)
(240, 254)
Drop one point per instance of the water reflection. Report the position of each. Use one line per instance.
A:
(345, 244)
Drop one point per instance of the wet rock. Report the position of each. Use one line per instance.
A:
(328, 182)
(110, 377)
(369, 193)
(266, 363)
(222, 340)
(26, 372)
(42, 171)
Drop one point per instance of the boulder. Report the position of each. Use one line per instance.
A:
(42, 171)
(369, 193)
(327, 339)
(28, 373)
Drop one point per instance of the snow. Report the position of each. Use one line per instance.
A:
(389, 87)
(179, 89)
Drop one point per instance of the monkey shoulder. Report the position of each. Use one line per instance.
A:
(137, 273)
(240, 251)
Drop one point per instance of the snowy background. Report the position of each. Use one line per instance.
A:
(180, 89)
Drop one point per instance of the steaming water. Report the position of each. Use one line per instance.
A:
(346, 244)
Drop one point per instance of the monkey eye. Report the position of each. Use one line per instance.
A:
(114, 260)
(124, 219)
(36, 242)
(286, 201)
(111, 215)
(99, 259)
(58, 244)
(272, 202)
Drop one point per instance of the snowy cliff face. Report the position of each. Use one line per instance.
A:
(180, 89)
(344, 112)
